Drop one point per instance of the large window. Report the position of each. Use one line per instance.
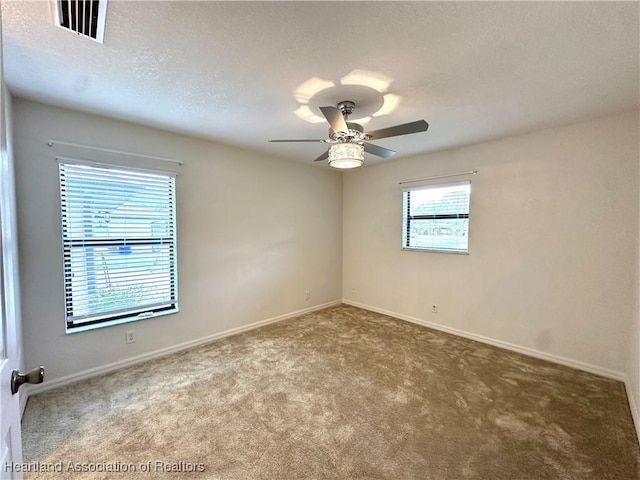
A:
(436, 218)
(119, 244)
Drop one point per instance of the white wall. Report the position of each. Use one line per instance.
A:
(254, 233)
(553, 251)
(633, 370)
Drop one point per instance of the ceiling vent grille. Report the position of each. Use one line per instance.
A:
(83, 17)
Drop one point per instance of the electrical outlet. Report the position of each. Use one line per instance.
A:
(130, 336)
(307, 295)
(434, 308)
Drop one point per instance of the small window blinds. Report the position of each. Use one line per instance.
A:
(119, 244)
(436, 217)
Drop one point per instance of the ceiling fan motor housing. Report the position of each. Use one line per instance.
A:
(354, 135)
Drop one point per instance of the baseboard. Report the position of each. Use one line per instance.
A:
(110, 367)
(568, 362)
(633, 406)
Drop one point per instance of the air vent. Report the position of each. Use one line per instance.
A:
(83, 17)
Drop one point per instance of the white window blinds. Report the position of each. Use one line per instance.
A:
(436, 217)
(119, 244)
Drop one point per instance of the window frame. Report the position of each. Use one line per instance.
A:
(407, 218)
(119, 315)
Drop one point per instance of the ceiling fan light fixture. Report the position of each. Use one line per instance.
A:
(346, 155)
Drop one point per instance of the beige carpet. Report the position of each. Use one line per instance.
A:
(338, 394)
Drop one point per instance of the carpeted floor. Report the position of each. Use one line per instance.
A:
(341, 393)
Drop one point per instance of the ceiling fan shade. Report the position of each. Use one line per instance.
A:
(368, 147)
(346, 155)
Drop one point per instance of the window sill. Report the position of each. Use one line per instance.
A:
(434, 250)
(95, 326)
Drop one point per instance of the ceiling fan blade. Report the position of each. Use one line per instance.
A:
(335, 119)
(324, 156)
(379, 151)
(404, 129)
(301, 140)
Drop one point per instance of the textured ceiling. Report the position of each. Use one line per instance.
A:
(235, 72)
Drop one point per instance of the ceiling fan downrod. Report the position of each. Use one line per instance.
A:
(346, 107)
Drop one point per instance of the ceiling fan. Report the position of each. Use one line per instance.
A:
(348, 141)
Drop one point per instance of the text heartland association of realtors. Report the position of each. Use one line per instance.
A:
(156, 466)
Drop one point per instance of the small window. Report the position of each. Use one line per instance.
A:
(436, 218)
(119, 244)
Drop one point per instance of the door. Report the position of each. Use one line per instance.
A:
(10, 440)
(10, 336)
